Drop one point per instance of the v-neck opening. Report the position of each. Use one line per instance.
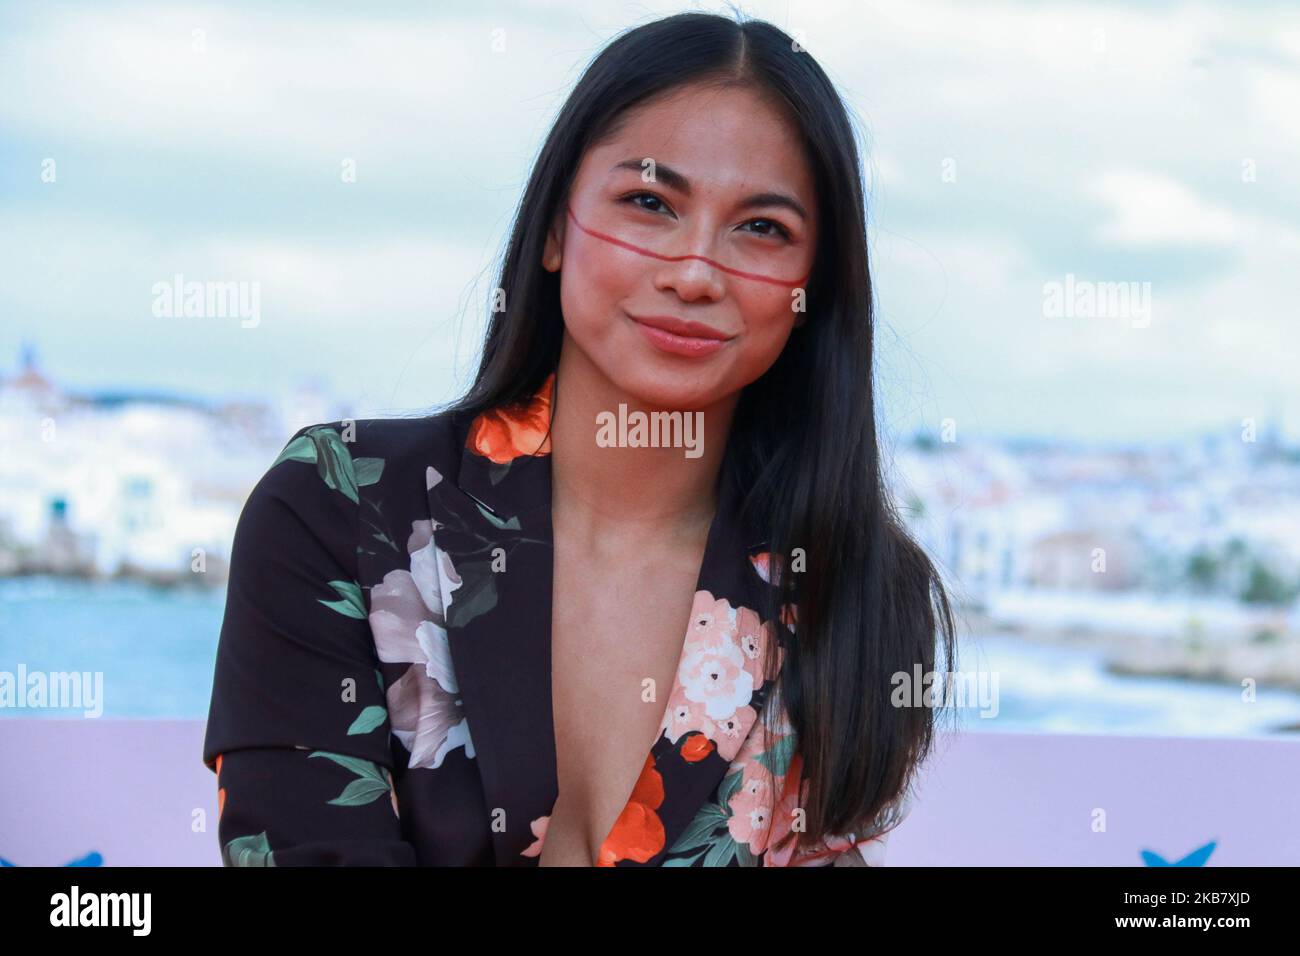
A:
(501, 638)
(710, 544)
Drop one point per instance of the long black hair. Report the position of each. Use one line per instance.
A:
(803, 439)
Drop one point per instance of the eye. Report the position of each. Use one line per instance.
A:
(783, 232)
(657, 204)
(634, 197)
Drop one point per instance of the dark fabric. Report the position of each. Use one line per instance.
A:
(382, 684)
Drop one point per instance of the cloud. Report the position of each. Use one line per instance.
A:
(292, 87)
(1102, 140)
(1152, 209)
(359, 311)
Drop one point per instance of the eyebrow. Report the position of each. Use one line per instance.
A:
(679, 182)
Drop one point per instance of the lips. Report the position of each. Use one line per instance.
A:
(682, 328)
(678, 337)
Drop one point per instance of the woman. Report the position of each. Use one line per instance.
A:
(458, 639)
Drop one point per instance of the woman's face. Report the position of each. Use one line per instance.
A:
(722, 235)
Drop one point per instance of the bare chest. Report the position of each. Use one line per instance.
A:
(616, 636)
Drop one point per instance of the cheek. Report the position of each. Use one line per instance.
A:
(769, 320)
(594, 279)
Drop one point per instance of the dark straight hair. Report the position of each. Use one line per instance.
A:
(803, 441)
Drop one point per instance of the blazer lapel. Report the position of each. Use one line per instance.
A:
(719, 689)
(493, 523)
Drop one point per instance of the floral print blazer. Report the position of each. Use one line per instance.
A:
(382, 688)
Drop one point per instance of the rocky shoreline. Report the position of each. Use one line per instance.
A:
(1270, 659)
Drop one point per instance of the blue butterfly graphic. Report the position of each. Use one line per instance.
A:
(92, 858)
(1196, 858)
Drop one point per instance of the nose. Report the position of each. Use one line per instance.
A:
(691, 273)
(691, 279)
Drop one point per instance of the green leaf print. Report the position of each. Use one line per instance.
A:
(253, 850)
(325, 446)
(476, 595)
(368, 470)
(371, 784)
(684, 860)
(778, 758)
(370, 718)
(358, 765)
(699, 832)
(359, 791)
(334, 461)
(727, 789)
(511, 525)
(300, 449)
(722, 852)
(352, 604)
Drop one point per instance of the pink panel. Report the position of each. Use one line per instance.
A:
(129, 789)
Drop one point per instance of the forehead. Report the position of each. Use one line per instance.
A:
(720, 138)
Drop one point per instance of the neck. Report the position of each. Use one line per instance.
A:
(625, 485)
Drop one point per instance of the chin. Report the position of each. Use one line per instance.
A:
(686, 392)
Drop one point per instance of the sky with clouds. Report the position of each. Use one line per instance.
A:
(1008, 146)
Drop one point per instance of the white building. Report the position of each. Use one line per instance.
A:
(112, 483)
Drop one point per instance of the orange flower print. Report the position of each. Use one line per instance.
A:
(768, 566)
(538, 827)
(221, 791)
(638, 834)
(513, 431)
(696, 748)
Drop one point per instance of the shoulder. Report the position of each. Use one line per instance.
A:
(413, 438)
(325, 471)
(352, 454)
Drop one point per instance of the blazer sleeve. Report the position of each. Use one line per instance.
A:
(298, 731)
